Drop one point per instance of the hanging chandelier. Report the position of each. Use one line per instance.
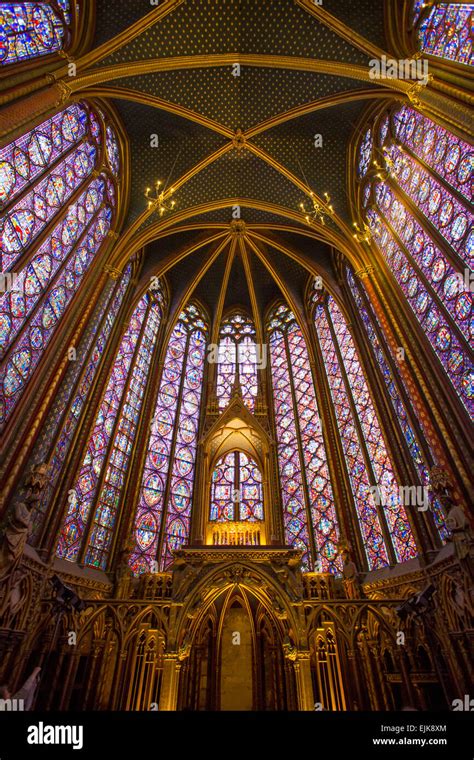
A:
(320, 211)
(160, 202)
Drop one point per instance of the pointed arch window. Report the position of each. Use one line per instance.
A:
(309, 512)
(418, 211)
(164, 507)
(56, 437)
(34, 29)
(450, 217)
(431, 144)
(402, 409)
(444, 30)
(385, 528)
(236, 489)
(95, 497)
(237, 355)
(58, 203)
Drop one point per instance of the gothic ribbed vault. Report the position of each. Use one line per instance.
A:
(193, 114)
(236, 370)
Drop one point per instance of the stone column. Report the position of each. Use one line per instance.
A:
(170, 683)
(355, 680)
(73, 661)
(409, 694)
(381, 676)
(368, 669)
(304, 684)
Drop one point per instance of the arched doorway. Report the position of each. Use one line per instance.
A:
(236, 660)
(237, 656)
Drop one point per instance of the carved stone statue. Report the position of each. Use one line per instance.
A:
(461, 604)
(198, 601)
(350, 574)
(185, 648)
(440, 481)
(15, 530)
(184, 573)
(460, 529)
(38, 479)
(289, 649)
(277, 603)
(286, 576)
(457, 521)
(28, 691)
(13, 540)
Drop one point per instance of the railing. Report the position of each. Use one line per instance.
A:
(319, 586)
(236, 534)
(155, 586)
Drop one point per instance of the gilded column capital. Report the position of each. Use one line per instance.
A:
(415, 89)
(366, 271)
(65, 91)
(303, 654)
(171, 657)
(65, 56)
(113, 272)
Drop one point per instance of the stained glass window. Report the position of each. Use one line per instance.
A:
(100, 478)
(29, 30)
(26, 158)
(448, 155)
(439, 206)
(445, 31)
(237, 353)
(392, 381)
(454, 356)
(367, 458)
(236, 489)
(53, 160)
(418, 6)
(57, 434)
(429, 245)
(47, 189)
(112, 150)
(164, 507)
(32, 281)
(365, 153)
(109, 497)
(424, 262)
(308, 503)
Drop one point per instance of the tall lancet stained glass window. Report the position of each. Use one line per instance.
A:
(402, 408)
(237, 359)
(416, 201)
(309, 512)
(33, 29)
(164, 506)
(70, 403)
(383, 521)
(444, 30)
(236, 489)
(95, 498)
(57, 204)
